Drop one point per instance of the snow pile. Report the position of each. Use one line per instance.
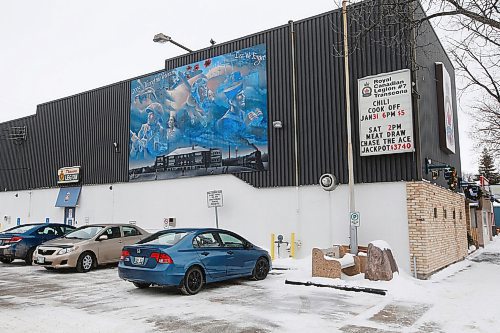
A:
(381, 244)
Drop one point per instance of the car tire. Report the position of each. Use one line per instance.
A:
(85, 262)
(29, 257)
(193, 281)
(261, 269)
(141, 285)
(6, 260)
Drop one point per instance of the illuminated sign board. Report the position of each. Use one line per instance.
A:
(68, 175)
(385, 114)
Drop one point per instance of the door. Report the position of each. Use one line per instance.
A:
(240, 261)
(69, 215)
(110, 249)
(486, 230)
(211, 254)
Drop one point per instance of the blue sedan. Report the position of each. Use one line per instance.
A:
(21, 241)
(189, 258)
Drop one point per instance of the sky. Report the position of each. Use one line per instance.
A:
(53, 49)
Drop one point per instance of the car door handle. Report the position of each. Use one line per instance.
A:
(205, 253)
(230, 252)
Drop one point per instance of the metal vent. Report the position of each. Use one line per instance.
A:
(17, 133)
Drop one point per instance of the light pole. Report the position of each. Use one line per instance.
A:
(162, 38)
(350, 163)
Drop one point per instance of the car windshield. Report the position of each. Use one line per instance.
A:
(164, 238)
(84, 232)
(20, 229)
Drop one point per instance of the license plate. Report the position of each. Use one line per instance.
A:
(138, 260)
(40, 260)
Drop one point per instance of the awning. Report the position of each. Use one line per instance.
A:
(68, 196)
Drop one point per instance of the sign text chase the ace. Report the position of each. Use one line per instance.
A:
(385, 114)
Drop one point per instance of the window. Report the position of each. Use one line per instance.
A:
(65, 229)
(86, 232)
(444, 213)
(230, 240)
(205, 240)
(47, 231)
(130, 231)
(435, 212)
(113, 232)
(167, 238)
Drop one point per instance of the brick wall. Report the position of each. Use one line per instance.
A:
(437, 227)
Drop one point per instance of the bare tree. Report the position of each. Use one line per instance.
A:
(472, 38)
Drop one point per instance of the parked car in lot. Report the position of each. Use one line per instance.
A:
(20, 241)
(88, 246)
(189, 258)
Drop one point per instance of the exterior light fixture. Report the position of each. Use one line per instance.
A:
(277, 124)
(162, 38)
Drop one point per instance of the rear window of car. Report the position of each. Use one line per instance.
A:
(20, 229)
(168, 238)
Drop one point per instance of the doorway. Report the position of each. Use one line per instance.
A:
(69, 215)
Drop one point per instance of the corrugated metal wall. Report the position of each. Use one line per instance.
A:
(80, 130)
(322, 134)
(427, 104)
(16, 168)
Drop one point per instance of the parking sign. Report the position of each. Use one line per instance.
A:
(355, 219)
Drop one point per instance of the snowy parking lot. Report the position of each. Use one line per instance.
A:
(461, 298)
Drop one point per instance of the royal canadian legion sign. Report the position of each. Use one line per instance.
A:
(385, 114)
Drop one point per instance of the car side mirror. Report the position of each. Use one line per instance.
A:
(248, 246)
(102, 237)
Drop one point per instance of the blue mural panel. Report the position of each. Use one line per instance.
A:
(208, 117)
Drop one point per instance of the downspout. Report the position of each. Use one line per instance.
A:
(295, 127)
(294, 103)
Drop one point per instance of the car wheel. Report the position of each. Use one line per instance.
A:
(85, 262)
(29, 257)
(6, 260)
(141, 285)
(50, 268)
(193, 281)
(261, 269)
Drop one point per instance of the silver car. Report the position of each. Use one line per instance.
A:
(88, 246)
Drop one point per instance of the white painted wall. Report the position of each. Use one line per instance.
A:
(317, 217)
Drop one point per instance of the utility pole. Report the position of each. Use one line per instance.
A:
(353, 232)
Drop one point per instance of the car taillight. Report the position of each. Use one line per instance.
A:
(125, 254)
(14, 239)
(161, 258)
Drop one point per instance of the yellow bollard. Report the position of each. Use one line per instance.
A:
(292, 245)
(272, 246)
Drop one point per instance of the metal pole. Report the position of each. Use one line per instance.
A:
(180, 45)
(350, 164)
(216, 218)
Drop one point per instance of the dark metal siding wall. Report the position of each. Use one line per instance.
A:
(80, 130)
(322, 135)
(428, 109)
(16, 169)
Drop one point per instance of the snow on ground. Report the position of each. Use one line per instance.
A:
(460, 298)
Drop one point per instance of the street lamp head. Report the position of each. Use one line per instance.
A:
(161, 38)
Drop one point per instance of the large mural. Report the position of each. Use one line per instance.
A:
(209, 117)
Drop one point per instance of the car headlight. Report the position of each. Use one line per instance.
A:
(66, 250)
